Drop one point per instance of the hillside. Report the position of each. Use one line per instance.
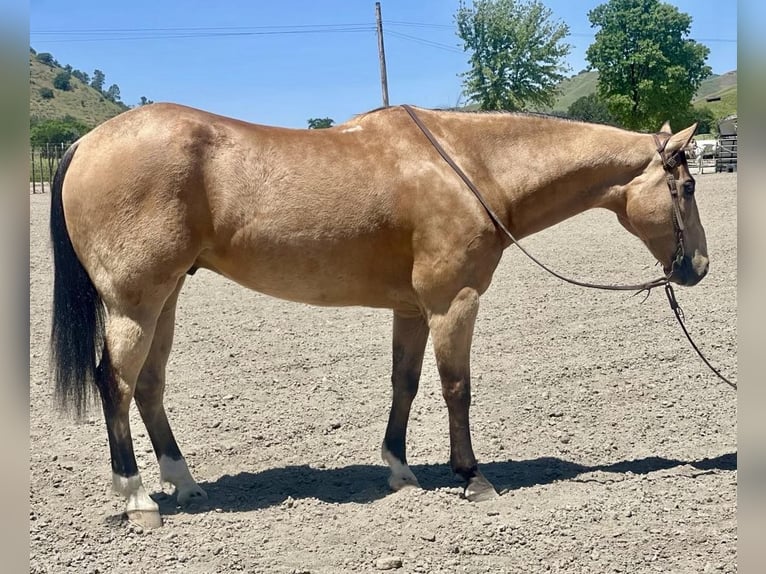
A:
(574, 88)
(724, 85)
(724, 107)
(716, 85)
(81, 102)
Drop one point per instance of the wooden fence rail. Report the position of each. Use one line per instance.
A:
(43, 163)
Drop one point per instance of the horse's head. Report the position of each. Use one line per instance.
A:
(661, 209)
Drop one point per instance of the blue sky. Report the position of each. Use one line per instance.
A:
(283, 62)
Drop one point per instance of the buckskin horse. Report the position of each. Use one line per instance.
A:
(365, 213)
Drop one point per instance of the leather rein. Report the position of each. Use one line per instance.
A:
(669, 161)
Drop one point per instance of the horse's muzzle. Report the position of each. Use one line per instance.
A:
(690, 272)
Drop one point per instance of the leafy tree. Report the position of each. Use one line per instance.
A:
(46, 93)
(62, 81)
(144, 101)
(56, 131)
(649, 69)
(97, 83)
(320, 123)
(590, 108)
(113, 93)
(82, 76)
(703, 115)
(517, 53)
(46, 58)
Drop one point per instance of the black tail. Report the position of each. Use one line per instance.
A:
(77, 333)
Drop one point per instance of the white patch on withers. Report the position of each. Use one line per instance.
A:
(132, 488)
(351, 129)
(176, 472)
(401, 475)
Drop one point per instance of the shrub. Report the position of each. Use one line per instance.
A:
(46, 93)
(46, 58)
(56, 131)
(62, 81)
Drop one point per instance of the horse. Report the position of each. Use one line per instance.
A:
(365, 213)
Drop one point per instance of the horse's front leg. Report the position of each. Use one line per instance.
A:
(409, 343)
(452, 330)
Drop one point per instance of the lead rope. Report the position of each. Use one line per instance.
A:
(679, 313)
(648, 286)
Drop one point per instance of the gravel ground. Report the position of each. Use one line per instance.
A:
(614, 448)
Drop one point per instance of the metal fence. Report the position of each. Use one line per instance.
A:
(43, 162)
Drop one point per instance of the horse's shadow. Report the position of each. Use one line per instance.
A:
(365, 483)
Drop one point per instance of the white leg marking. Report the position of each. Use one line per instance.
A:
(401, 475)
(176, 472)
(132, 489)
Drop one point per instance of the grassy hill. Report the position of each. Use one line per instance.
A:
(82, 102)
(724, 89)
(716, 85)
(724, 85)
(574, 88)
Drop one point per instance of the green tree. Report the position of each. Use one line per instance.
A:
(703, 116)
(56, 131)
(46, 58)
(590, 108)
(320, 123)
(97, 83)
(517, 53)
(62, 81)
(113, 93)
(82, 76)
(649, 69)
(46, 93)
(144, 101)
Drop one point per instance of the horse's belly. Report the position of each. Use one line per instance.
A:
(330, 275)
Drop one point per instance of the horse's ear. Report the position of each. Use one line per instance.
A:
(665, 129)
(680, 140)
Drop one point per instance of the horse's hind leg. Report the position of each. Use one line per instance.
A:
(409, 342)
(150, 389)
(128, 338)
(452, 331)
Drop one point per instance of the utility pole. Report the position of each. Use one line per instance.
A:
(381, 56)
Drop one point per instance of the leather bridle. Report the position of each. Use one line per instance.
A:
(669, 162)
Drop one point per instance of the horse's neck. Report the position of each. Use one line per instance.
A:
(547, 170)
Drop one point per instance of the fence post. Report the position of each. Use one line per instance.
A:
(42, 184)
(32, 161)
(44, 160)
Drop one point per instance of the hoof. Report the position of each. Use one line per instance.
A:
(402, 482)
(192, 496)
(401, 475)
(146, 519)
(479, 489)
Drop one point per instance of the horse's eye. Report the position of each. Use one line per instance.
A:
(689, 188)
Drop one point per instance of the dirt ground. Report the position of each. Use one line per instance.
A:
(613, 447)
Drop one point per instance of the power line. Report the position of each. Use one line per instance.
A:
(425, 42)
(159, 33)
(201, 28)
(118, 34)
(420, 25)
